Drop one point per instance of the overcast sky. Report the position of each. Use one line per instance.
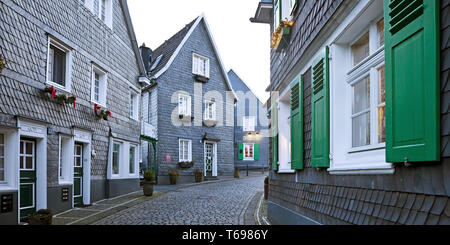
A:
(243, 46)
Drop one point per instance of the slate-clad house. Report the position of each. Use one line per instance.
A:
(56, 150)
(190, 105)
(251, 144)
(359, 91)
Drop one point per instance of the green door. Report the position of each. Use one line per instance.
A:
(27, 166)
(78, 175)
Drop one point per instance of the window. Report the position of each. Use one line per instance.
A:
(2, 158)
(292, 6)
(65, 158)
(249, 124)
(27, 155)
(133, 159)
(200, 65)
(134, 104)
(185, 151)
(367, 82)
(102, 9)
(249, 151)
(357, 94)
(59, 65)
(116, 158)
(210, 110)
(360, 49)
(184, 105)
(276, 14)
(99, 84)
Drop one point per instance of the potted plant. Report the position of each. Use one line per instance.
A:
(236, 172)
(173, 176)
(186, 164)
(41, 217)
(266, 188)
(3, 62)
(149, 182)
(198, 175)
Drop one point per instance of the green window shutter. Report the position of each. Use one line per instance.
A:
(320, 112)
(256, 152)
(412, 80)
(241, 151)
(275, 137)
(297, 124)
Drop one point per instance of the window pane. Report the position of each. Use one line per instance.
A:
(361, 130)
(59, 67)
(360, 49)
(21, 147)
(51, 57)
(381, 124)
(116, 158)
(132, 160)
(96, 7)
(29, 148)
(29, 162)
(96, 87)
(361, 96)
(380, 27)
(103, 6)
(381, 86)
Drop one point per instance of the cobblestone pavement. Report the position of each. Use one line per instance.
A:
(221, 203)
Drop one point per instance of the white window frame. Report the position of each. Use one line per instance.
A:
(181, 151)
(120, 160)
(134, 105)
(249, 124)
(108, 8)
(68, 66)
(276, 14)
(184, 110)
(210, 108)
(103, 85)
(197, 60)
(250, 146)
(345, 159)
(65, 159)
(292, 6)
(136, 156)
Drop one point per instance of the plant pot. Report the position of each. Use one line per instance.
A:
(42, 217)
(173, 179)
(148, 188)
(266, 191)
(199, 178)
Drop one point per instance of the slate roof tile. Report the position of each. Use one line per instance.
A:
(379, 221)
(404, 216)
(421, 218)
(374, 196)
(410, 201)
(411, 218)
(394, 199)
(402, 200)
(351, 204)
(444, 220)
(419, 202)
(428, 203)
(368, 195)
(380, 197)
(396, 214)
(389, 213)
(167, 49)
(439, 206)
(432, 219)
(383, 211)
(387, 198)
(376, 210)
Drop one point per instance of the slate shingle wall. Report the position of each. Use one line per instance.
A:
(413, 195)
(179, 77)
(24, 29)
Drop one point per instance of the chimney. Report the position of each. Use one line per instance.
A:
(147, 56)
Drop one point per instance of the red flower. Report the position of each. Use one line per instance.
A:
(74, 102)
(110, 114)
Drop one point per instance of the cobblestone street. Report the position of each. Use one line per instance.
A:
(220, 203)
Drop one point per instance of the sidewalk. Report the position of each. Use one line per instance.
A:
(104, 208)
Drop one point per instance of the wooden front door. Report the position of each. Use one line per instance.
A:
(78, 175)
(27, 166)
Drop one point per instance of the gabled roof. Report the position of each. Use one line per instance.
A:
(132, 35)
(168, 48)
(239, 85)
(172, 47)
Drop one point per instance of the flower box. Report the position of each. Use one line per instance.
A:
(186, 164)
(201, 78)
(281, 36)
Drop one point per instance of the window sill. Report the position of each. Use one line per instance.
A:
(103, 106)
(61, 182)
(286, 171)
(367, 169)
(367, 148)
(59, 86)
